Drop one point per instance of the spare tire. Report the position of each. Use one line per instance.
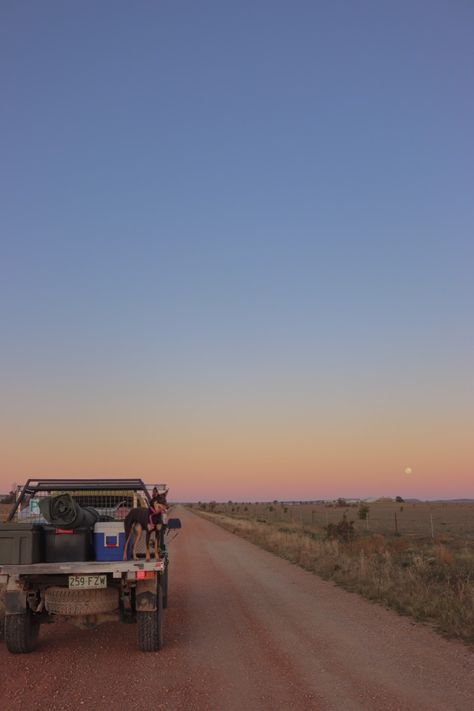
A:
(63, 601)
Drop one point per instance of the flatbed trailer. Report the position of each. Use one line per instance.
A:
(84, 592)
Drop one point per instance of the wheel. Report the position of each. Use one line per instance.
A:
(150, 626)
(164, 584)
(21, 632)
(63, 601)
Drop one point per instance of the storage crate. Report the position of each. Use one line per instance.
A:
(64, 545)
(20, 543)
(109, 540)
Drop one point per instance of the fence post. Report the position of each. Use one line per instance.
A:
(396, 523)
(432, 526)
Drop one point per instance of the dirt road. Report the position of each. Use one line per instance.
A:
(248, 631)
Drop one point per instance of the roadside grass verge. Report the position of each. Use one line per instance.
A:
(431, 581)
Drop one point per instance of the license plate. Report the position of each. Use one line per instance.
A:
(86, 582)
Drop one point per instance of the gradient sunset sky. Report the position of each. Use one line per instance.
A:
(237, 246)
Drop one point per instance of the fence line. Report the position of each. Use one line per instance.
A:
(404, 519)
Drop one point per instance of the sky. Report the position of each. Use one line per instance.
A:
(236, 246)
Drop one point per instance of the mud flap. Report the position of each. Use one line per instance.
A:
(146, 597)
(15, 598)
(15, 603)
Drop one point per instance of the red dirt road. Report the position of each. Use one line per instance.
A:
(245, 630)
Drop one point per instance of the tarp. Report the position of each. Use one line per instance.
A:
(62, 511)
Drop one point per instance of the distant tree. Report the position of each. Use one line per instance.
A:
(399, 500)
(363, 512)
(341, 502)
(10, 498)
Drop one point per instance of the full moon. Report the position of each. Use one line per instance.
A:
(408, 470)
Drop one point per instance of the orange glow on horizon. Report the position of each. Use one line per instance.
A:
(248, 460)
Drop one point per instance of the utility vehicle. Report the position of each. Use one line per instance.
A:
(51, 572)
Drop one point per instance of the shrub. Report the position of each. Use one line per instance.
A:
(342, 531)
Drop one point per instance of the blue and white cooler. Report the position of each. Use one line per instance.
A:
(109, 540)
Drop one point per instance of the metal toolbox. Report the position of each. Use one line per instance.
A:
(21, 543)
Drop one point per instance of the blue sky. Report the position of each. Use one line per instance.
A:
(216, 206)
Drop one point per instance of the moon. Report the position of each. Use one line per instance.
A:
(408, 470)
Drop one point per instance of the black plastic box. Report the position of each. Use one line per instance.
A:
(21, 543)
(63, 546)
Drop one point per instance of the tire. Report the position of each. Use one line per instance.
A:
(21, 632)
(164, 585)
(63, 601)
(150, 627)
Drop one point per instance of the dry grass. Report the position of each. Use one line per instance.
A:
(430, 581)
(409, 519)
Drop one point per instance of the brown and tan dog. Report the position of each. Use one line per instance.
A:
(140, 519)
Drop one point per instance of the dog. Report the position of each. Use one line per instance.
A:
(140, 519)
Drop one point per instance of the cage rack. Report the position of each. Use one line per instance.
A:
(112, 498)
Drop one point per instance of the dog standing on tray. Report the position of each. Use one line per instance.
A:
(141, 519)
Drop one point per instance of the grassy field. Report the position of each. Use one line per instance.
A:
(417, 520)
(429, 577)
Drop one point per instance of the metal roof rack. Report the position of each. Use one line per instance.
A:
(64, 484)
(34, 486)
